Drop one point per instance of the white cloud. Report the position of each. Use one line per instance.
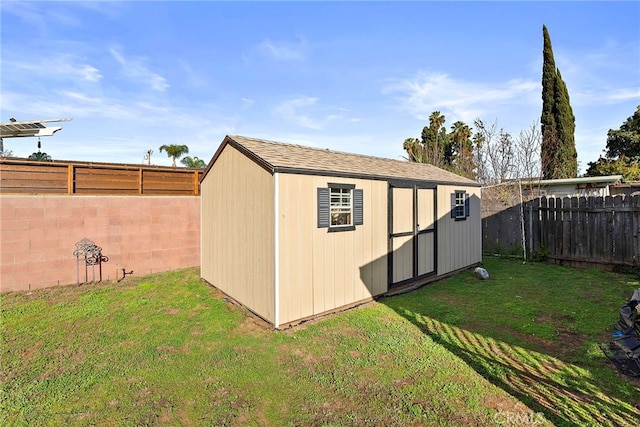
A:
(90, 73)
(55, 65)
(309, 113)
(291, 110)
(284, 50)
(606, 96)
(466, 100)
(135, 69)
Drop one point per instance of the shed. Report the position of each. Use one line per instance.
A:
(293, 232)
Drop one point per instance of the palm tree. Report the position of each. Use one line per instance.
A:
(174, 151)
(460, 133)
(193, 162)
(415, 150)
(436, 121)
(463, 148)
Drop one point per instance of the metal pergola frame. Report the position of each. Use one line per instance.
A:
(16, 129)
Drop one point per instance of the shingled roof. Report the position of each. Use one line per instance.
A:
(290, 158)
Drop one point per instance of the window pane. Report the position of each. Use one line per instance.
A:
(340, 206)
(341, 218)
(459, 209)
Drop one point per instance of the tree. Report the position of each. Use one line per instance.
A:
(415, 150)
(193, 162)
(494, 151)
(3, 152)
(558, 149)
(625, 140)
(462, 150)
(622, 152)
(527, 153)
(629, 169)
(174, 151)
(452, 151)
(436, 122)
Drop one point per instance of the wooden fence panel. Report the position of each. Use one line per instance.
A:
(600, 230)
(92, 181)
(593, 230)
(501, 230)
(25, 178)
(33, 177)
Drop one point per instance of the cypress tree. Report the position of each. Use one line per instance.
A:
(558, 151)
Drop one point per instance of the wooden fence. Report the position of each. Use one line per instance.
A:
(33, 177)
(585, 229)
(501, 230)
(577, 230)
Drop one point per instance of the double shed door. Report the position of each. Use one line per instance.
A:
(412, 233)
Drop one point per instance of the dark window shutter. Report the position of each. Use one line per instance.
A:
(453, 205)
(466, 205)
(357, 207)
(323, 208)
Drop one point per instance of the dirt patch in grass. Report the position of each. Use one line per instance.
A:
(167, 349)
(568, 341)
(503, 403)
(254, 326)
(29, 352)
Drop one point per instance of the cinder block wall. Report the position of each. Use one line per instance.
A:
(146, 234)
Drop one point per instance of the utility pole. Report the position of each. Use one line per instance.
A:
(147, 156)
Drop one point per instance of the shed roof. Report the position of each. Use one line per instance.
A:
(290, 158)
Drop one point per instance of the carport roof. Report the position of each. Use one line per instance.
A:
(290, 158)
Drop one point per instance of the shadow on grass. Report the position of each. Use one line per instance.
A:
(565, 393)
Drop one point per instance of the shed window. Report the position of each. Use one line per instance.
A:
(340, 207)
(459, 205)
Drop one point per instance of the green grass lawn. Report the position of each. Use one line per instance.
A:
(167, 349)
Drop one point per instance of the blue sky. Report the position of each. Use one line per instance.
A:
(349, 76)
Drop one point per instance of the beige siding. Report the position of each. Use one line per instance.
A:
(319, 270)
(238, 231)
(459, 242)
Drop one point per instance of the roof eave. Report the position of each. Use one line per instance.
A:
(375, 177)
(228, 140)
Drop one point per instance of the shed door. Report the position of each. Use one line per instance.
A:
(412, 234)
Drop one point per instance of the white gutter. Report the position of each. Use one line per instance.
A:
(276, 269)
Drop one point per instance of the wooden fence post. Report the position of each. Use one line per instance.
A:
(70, 180)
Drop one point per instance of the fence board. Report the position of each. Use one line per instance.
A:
(600, 227)
(583, 220)
(575, 243)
